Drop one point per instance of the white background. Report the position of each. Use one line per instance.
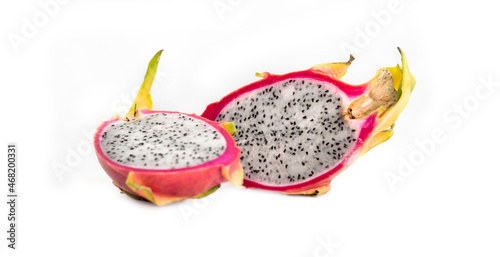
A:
(85, 60)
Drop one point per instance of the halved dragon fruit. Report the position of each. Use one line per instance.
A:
(164, 156)
(299, 130)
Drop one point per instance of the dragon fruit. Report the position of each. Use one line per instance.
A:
(164, 156)
(299, 130)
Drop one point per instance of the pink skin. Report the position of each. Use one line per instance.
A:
(174, 184)
(364, 126)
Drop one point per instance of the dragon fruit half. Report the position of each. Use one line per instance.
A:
(299, 130)
(164, 156)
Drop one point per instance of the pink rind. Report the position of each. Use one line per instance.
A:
(202, 177)
(365, 128)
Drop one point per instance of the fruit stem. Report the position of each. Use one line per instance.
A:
(381, 96)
